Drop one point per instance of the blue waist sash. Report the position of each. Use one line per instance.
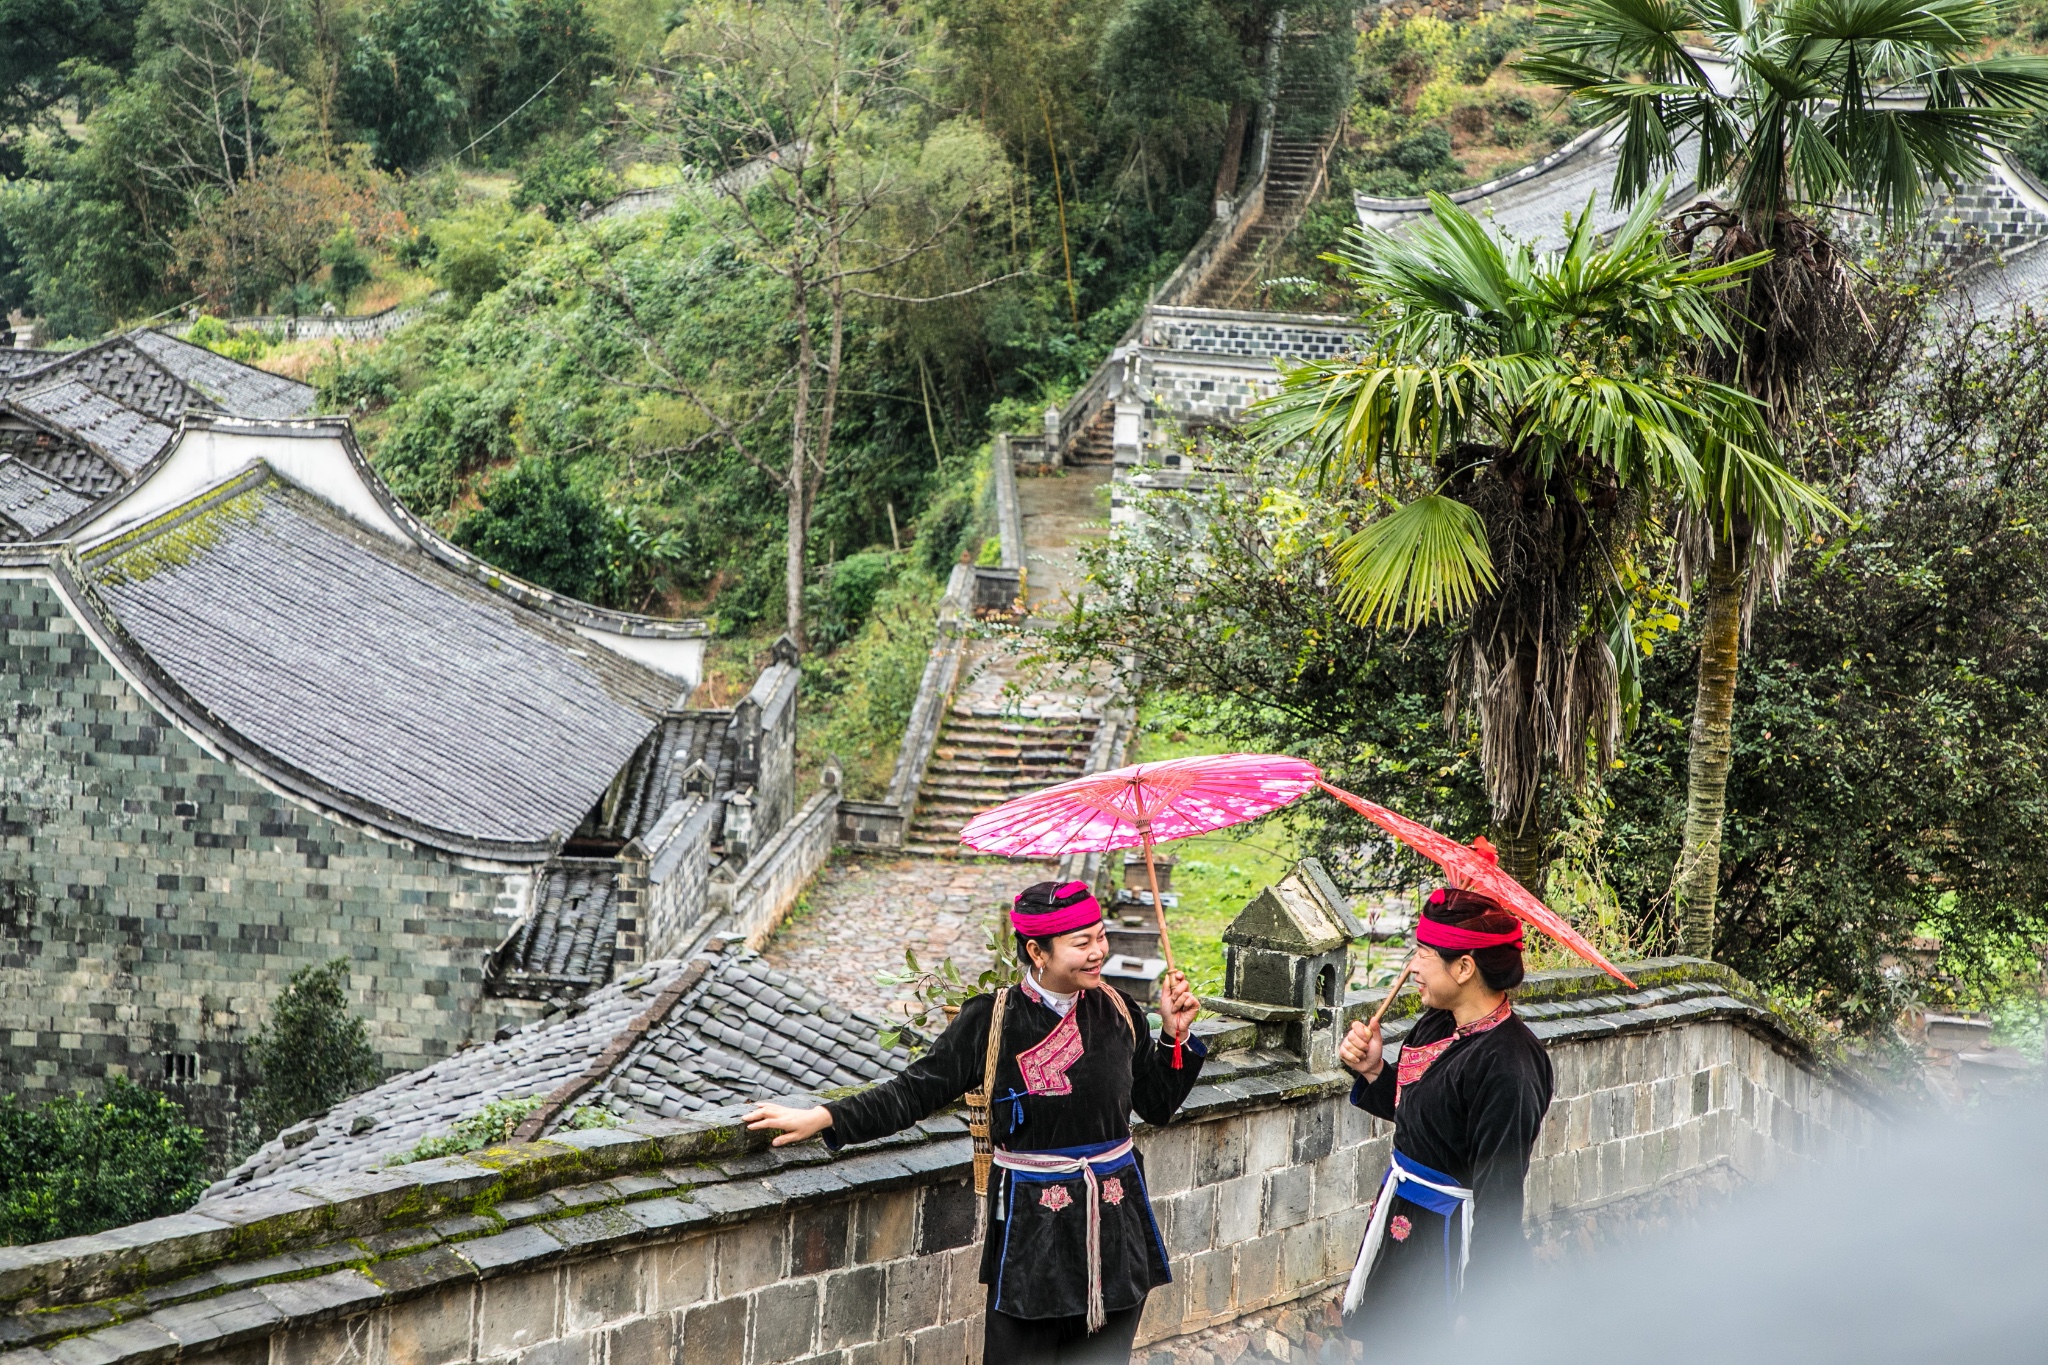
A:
(1434, 1191)
(1087, 1151)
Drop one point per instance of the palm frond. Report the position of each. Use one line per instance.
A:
(1422, 562)
(1354, 416)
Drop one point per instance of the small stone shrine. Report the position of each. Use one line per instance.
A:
(1291, 945)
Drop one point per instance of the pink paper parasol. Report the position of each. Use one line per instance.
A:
(1141, 805)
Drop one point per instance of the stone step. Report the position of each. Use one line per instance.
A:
(1004, 756)
(962, 722)
(1006, 781)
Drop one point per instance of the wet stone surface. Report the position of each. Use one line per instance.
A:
(863, 912)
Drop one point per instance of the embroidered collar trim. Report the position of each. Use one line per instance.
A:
(1417, 1059)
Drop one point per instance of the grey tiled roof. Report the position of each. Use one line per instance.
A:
(121, 434)
(124, 373)
(162, 377)
(740, 1032)
(375, 671)
(31, 502)
(1530, 204)
(66, 460)
(566, 943)
(13, 361)
(747, 1032)
(230, 385)
(654, 780)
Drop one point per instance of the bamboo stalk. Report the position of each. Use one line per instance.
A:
(1159, 918)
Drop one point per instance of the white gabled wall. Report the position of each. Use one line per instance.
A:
(311, 455)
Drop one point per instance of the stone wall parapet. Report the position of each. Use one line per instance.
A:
(689, 1240)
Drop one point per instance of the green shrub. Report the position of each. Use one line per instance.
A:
(534, 523)
(358, 383)
(348, 265)
(566, 175)
(314, 1052)
(442, 432)
(849, 593)
(946, 530)
(870, 686)
(76, 1165)
(477, 249)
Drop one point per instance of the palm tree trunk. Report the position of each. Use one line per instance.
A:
(1521, 853)
(1698, 876)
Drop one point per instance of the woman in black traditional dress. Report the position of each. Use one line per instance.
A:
(1466, 1096)
(1072, 1248)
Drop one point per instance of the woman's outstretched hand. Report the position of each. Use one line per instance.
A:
(1363, 1050)
(796, 1125)
(1177, 1006)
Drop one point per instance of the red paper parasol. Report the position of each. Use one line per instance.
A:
(1475, 869)
(1143, 804)
(1150, 803)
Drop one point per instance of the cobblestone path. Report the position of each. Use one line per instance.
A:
(862, 912)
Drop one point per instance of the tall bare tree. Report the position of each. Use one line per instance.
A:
(831, 173)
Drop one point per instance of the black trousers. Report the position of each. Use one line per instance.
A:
(1059, 1341)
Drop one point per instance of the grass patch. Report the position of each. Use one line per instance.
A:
(1215, 875)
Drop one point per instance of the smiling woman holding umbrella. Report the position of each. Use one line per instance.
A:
(1466, 1099)
(1060, 1062)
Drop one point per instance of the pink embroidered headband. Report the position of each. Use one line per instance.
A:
(1436, 934)
(1045, 909)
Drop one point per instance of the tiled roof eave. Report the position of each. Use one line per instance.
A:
(196, 719)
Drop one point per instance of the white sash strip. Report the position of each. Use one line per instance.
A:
(1376, 1231)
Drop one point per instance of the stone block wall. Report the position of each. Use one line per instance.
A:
(674, 861)
(768, 888)
(681, 1241)
(153, 899)
(1247, 336)
(1992, 213)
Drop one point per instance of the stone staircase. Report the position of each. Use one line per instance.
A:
(1295, 163)
(984, 758)
(1096, 442)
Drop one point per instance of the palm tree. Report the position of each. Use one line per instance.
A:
(1812, 103)
(1522, 415)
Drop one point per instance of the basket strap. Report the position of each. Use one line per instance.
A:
(978, 1101)
(1116, 997)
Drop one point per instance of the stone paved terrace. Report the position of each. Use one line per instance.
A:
(1064, 511)
(862, 912)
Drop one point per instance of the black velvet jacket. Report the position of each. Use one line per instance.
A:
(1035, 1251)
(1474, 1116)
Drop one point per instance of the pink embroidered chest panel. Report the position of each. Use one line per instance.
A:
(1416, 1060)
(1045, 1066)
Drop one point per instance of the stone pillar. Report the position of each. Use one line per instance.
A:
(1054, 456)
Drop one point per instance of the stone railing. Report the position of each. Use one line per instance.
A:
(1238, 335)
(769, 885)
(880, 825)
(685, 1240)
(1186, 281)
(315, 327)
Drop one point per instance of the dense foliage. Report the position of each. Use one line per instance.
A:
(79, 1164)
(1889, 760)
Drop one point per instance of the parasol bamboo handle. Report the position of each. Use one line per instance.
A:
(1392, 991)
(1159, 918)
